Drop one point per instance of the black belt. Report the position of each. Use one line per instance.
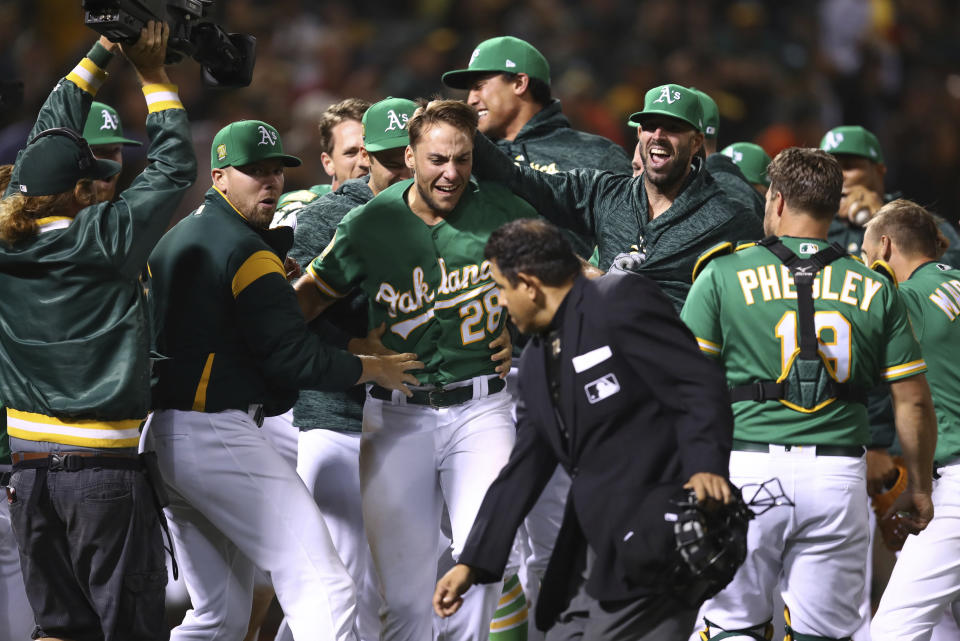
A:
(856, 451)
(74, 461)
(440, 397)
(761, 391)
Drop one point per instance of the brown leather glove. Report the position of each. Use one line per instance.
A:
(893, 531)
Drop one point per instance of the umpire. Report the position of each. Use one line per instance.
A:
(74, 356)
(612, 389)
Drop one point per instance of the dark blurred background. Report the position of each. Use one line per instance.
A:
(782, 72)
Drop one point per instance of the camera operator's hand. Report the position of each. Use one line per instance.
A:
(109, 45)
(149, 52)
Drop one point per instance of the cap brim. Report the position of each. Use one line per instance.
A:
(114, 140)
(104, 169)
(290, 161)
(636, 119)
(464, 78)
(382, 146)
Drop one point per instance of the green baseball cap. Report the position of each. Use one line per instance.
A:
(751, 159)
(53, 163)
(853, 140)
(711, 114)
(103, 126)
(507, 54)
(675, 101)
(247, 141)
(385, 124)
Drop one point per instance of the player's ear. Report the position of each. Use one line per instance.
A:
(521, 82)
(219, 179)
(886, 248)
(408, 157)
(327, 163)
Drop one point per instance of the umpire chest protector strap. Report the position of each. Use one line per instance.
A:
(806, 383)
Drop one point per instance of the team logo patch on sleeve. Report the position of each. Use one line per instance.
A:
(604, 387)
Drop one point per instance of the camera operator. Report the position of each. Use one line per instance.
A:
(74, 356)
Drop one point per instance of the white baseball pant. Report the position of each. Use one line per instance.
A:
(926, 579)
(235, 504)
(413, 459)
(329, 464)
(814, 554)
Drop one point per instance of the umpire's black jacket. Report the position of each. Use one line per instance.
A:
(641, 406)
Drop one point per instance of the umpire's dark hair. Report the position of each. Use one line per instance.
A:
(810, 180)
(535, 247)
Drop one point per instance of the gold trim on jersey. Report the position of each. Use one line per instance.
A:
(257, 265)
(321, 284)
(200, 398)
(84, 432)
(88, 76)
(708, 347)
(720, 249)
(884, 268)
(905, 370)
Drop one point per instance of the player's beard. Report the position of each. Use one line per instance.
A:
(436, 206)
(673, 172)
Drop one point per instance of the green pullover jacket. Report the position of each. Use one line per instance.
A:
(613, 208)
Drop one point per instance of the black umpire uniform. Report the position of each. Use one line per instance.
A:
(616, 391)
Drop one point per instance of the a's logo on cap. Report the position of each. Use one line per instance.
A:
(509, 63)
(473, 56)
(396, 121)
(109, 121)
(665, 96)
(221, 152)
(734, 155)
(833, 140)
(267, 137)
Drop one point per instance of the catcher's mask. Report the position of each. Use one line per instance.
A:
(675, 545)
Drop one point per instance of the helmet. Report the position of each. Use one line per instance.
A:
(688, 549)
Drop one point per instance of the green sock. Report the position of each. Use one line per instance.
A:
(510, 620)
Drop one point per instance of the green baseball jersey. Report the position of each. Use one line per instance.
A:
(430, 285)
(932, 297)
(743, 310)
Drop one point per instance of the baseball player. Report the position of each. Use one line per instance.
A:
(661, 221)
(328, 458)
(926, 578)
(75, 368)
(752, 161)
(341, 141)
(508, 82)
(860, 156)
(236, 347)
(804, 331)
(104, 132)
(416, 251)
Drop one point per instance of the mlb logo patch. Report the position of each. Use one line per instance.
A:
(809, 248)
(944, 268)
(604, 387)
(221, 152)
